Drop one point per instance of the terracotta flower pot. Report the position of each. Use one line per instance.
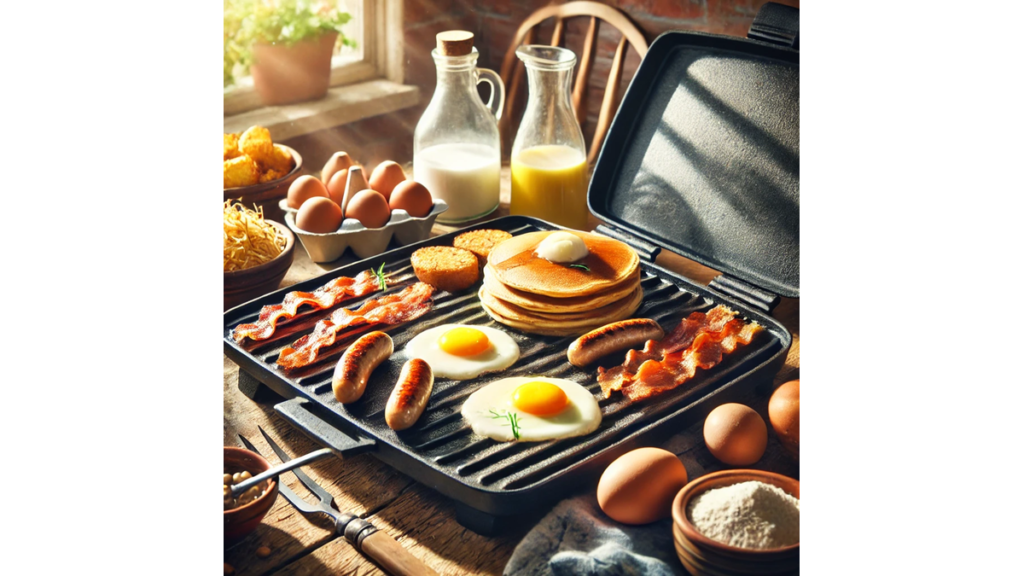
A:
(285, 74)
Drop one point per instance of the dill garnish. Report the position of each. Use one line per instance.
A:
(512, 418)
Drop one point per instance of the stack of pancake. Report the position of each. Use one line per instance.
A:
(528, 293)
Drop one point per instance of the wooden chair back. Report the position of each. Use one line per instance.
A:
(512, 69)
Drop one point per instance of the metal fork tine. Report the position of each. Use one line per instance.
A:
(248, 444)
(288, 493)
(297, 501)
(326, 499)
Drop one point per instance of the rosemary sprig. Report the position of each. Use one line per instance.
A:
(380, 276)
(512, 418)
(580, 266)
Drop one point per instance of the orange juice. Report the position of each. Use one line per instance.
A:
(550, 182)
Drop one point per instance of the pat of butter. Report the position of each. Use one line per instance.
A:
(562, 247)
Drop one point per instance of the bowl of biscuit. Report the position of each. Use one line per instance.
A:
(255, 168)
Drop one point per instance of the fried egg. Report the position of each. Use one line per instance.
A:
(461, 352)
(532, 408)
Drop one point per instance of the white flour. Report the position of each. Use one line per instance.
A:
(748, 515)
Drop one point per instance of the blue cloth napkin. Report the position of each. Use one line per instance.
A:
(577, 538)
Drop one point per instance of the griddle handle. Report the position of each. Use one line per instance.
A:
(778, 24)
(298, 412)
(748, 293)
(645, 249)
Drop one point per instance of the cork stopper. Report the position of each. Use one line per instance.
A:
(454, 43)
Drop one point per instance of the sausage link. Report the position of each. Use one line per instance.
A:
(612, 338)
(356, 364)
(410, 395)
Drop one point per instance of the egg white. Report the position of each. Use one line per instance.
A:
(502, 353)
(581, 416)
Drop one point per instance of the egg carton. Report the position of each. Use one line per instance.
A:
(365, 242)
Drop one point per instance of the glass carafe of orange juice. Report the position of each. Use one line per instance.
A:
(549, 162)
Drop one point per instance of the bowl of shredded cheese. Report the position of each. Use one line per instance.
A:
(257, 253)
(738, 522)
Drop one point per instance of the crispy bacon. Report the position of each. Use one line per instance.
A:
(680, 338)
(684, 334)
(409, 304)
(707, 350)
(698, 342)
(331, 294)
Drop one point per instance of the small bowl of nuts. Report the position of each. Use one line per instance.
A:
(243, 513)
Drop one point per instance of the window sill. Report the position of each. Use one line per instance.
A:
(342, 105)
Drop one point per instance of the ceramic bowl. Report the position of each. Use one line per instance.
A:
(365, 242)
(244, 285)
(702, 556)
(266, 190)
(242, 520)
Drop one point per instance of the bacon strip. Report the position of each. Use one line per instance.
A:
(331, 294)
(707, 351)
(409, 304)
(698, 342)
(680, 338)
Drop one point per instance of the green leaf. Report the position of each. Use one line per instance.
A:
(275, 22)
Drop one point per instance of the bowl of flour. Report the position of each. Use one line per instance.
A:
(738, 522)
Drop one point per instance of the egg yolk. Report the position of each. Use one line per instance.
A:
(540, 398)
(464, 341)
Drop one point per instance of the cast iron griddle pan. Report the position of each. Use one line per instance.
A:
(485, 477)
(703, 157)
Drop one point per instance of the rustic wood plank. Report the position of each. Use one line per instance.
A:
(342, 105)
(423, 522)
(361, 484)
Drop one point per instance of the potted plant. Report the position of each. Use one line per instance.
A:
(285, 44)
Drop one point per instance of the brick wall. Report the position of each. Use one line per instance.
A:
(494, 23)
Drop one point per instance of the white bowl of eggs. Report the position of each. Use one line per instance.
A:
(343, 209)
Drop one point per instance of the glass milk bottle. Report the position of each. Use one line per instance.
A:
(456, 147)
(549, 161)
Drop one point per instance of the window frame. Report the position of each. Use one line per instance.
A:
(381, 59)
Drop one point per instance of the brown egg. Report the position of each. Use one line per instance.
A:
(784, 414)
(412, 197)
(339, 161)
(735, 434)
(336, 186)
(370, 208)
(304, 188)
(385, 177)
(639, 486)
(319, 215)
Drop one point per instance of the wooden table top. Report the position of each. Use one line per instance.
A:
(417, 517)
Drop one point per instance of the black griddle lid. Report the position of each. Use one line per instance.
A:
(703, 157)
